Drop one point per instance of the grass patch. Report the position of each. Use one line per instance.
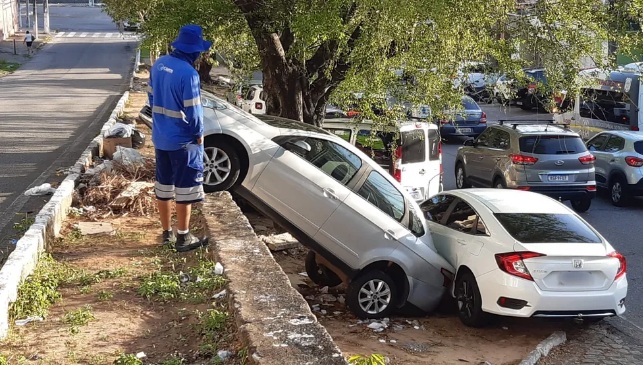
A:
(211, 325)
(195, 285)
(128, 359)
(40, 290)
(23, 225)
(104, 295)
(8, 67)
(79, 317)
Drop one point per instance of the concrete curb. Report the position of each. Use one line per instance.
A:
(273, 320)
(543, 348)
(22, 261)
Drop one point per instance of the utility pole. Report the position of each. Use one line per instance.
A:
(35, 19)
(45, 13)
(28, 14)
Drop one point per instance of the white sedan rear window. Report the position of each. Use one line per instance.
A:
(547, 228)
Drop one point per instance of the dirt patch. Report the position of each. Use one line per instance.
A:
(121, 295)
(437, 339)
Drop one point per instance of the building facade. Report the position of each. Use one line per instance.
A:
(8, 18)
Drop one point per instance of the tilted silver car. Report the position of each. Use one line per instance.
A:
(544, 158)
(619, 164)
(361, 226)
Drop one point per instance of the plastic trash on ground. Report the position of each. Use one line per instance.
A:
(128, 156)
(120, 130)
(43, 189)
(138, 139)
(218, 269)
(23, 322)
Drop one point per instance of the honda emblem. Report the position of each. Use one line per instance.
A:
(577, 263)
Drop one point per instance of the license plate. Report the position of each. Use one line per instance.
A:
(558, 178)
(463, 130)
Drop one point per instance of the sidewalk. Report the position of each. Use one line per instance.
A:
(600, 344)
(7, 48)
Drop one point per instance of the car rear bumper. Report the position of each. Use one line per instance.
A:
(636, 189)
(564, 192)
(540, 303)
(449, 130)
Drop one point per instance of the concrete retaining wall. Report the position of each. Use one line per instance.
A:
(275, 322)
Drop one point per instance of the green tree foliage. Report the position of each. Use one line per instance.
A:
(315, 51)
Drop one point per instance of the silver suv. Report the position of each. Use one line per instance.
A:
(545, 158)
(619, 164)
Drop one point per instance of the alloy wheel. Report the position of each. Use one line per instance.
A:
(374, 296)
(459, 179)
(465, 299)
(216, 166)
(617, 191)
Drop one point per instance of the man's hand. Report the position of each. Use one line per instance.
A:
(199, 140)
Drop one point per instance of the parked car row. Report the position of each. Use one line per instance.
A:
(506, 252)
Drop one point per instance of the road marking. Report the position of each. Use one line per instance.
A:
(71, 34)
(96, 34)
(82, 35)
(108, 35)
(61, 34)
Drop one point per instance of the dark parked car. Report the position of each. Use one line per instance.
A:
(469, 122)
(534, 93)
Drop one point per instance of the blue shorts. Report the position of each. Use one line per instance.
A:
(179, 174)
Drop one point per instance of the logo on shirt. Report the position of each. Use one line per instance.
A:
(162, 67)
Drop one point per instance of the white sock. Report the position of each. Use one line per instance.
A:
(183, 232)
(170, 230)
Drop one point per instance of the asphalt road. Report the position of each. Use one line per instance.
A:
(622, 227)
(54, 105)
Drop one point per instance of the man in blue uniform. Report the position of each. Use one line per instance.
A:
(177, 133)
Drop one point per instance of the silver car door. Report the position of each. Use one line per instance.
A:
(305, 181)
(368, 223)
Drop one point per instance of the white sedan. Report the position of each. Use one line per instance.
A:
(522, 254)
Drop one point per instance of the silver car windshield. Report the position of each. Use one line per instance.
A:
(547, 228)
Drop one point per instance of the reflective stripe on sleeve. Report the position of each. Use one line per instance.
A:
(192, 102)
(168, 112)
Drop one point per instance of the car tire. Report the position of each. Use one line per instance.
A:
(469, 301)
(461, 181)
(581, 205)
(221, 166)
(618, 194)
(372, 295)
(499, 183)
(320, 274)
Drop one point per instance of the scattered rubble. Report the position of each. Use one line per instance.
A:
(92, 228)
(280, 242)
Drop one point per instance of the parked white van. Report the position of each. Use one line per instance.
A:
(411, 152)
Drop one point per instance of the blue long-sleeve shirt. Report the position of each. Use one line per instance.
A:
(175, 98)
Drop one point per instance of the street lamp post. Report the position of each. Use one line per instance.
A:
(35, 19)
(45, 14)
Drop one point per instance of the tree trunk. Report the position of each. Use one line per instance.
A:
(203, 66)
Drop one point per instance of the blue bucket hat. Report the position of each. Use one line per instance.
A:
(190, 40)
